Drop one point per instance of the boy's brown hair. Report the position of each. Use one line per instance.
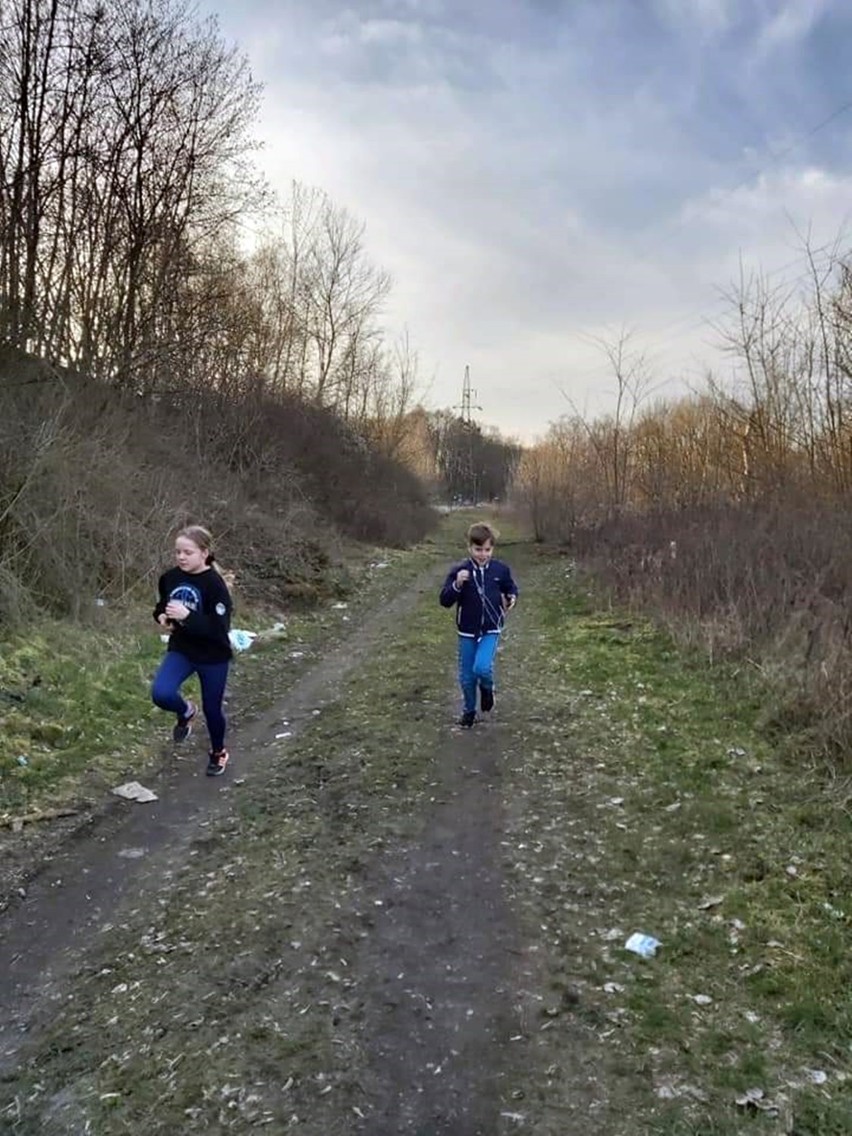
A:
(480, 533)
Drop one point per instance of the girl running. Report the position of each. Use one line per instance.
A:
(195, 608)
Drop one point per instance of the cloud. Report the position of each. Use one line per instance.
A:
(790, 24)
(711, 17)
(531, 172)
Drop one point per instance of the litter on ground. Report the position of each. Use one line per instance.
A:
(644, 945)
(133, 791)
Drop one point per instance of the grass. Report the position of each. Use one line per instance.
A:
(644, 772)
(73, 701)
(640, 795)
(75, 710)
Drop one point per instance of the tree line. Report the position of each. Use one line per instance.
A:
(726, 512)
(779, 428)
(126, 184)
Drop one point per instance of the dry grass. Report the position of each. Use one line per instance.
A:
(770, 586)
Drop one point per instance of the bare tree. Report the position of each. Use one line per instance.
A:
(120, 141)
(611, 436)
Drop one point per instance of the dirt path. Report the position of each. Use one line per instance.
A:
(123, 856)
(441, 966)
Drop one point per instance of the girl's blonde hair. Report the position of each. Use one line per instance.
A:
(201, 538)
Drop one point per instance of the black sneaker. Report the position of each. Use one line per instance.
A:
(467, 719)
(216, 763)
(183, 725)
(486, 698)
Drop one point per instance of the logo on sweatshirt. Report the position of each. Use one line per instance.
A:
(189, 596)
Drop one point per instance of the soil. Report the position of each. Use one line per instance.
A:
(441, 963)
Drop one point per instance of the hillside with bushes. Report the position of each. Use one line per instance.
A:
(93, 481)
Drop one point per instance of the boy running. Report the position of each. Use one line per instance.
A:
(482, 590)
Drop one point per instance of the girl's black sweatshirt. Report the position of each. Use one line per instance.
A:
(203, 636)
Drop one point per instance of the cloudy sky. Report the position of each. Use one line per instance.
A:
(536, 174)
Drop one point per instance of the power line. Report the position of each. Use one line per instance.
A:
(696, 319)
(773, 159)
(467, 405)
(471, 473)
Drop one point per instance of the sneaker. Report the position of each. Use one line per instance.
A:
(183, 726)
(216, 763)
(467, 719)
(486, 698)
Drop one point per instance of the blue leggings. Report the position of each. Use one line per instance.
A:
(476, 665)
(173, 672)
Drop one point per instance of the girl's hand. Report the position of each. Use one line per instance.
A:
(461, 576)
(176, 610)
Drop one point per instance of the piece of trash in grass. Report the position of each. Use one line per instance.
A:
(669, 1090)
(22, 760)
(756, 1098)
(713, 901)
(340, 606)
(133, 791)
(702, 999)
(751, 1096)
(278, 630)
(643, 945)
(286, 734)
(241, 640)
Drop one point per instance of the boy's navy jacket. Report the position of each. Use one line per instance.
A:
(203, 636)
(480, 599)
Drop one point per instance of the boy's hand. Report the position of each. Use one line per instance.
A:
(461, 576)
(509, 602)
(176, 610)
(164, 620)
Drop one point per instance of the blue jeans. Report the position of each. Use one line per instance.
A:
(173, 672)
(476, 666)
